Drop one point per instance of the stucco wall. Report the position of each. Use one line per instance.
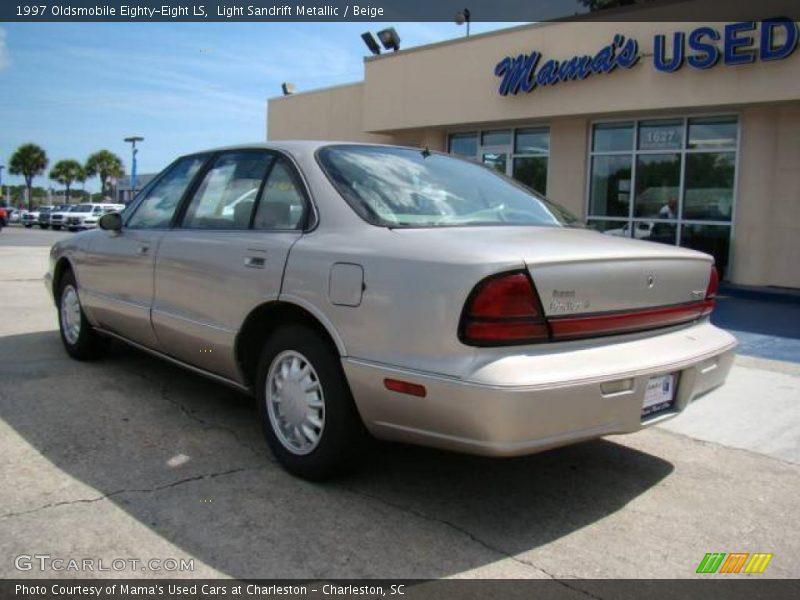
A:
(329, 114)
(455, 83)
(766, 241)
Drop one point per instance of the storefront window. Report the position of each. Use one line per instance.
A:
(713, 133)
(464, 144)
(496, 138)
(683, 173)
(661, 135)
(519, 153)
(611, 186)
(658, 181)
(709, 186)
(496, 160)
(613, 137)
(532, 141)
(712, 239)
(532, 171)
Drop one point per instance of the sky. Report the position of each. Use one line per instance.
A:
(74, 88)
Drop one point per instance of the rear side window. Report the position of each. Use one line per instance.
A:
(282, 205)
(228, 192)
(155, 211)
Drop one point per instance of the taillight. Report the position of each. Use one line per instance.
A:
(711, 291)
(503, 310)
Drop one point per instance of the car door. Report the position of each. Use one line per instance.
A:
(116, 277)
(226, 256)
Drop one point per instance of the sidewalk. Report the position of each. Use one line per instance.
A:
(766, 322)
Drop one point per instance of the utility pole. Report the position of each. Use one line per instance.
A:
(134, 151)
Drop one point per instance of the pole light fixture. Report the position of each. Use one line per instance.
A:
(369, 40)
(288, 88)
(389, 39)
(463, 16)
(134, 151)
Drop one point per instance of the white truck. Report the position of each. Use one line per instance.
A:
(85, 216)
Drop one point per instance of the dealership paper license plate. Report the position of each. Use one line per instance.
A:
(659, 394)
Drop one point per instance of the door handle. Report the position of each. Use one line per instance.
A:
(142, 250)
(254, 262)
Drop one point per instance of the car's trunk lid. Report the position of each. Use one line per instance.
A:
(581, 272)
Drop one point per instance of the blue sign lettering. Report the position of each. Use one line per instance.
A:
(659, 53)
(520, 74)
(707, 53)
(768, 49)
(701, 49)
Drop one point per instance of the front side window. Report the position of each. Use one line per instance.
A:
(401, 187)
(157, 208)
(228, 192)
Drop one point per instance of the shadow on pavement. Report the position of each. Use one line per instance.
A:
(185, 458)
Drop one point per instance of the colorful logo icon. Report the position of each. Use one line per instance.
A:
(736, 562)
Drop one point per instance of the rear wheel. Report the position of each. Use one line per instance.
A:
(80, 340)
(306, 408)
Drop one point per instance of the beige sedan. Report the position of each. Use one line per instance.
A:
(362, 290)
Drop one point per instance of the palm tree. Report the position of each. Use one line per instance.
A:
(105, 164)
(29, 160)
(66, 172)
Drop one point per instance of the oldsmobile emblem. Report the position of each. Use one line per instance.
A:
(651, 280)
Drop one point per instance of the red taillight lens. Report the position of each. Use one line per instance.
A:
(503, 310)
(711, 292)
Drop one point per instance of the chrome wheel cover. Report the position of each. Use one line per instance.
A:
(70, 315)
(295, 402)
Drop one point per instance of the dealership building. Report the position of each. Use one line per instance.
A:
(680, 133)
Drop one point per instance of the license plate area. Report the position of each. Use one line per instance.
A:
(659, 395)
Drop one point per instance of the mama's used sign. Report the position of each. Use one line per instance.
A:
(702, 48)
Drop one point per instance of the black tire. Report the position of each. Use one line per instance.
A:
(343, 435)
(43, 226)
(56, 227)
(28, 226)
(88, 345)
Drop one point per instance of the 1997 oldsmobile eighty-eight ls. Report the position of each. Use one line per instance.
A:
(359, 289)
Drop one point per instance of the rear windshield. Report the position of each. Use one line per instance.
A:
(82, 208)
(404, 187)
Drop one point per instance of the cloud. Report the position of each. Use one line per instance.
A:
(5, 59)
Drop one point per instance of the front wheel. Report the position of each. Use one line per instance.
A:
(43, 226)
(28, 226)
(56, 227)
(306, 408)
(80, 340)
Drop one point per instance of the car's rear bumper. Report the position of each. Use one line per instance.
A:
(526, 403)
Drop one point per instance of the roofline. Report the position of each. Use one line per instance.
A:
(316, 90)
(620, 13)
(460, 40)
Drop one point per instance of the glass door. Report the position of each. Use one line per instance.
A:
(495, 149)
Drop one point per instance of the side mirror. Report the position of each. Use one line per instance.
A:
(110, 221)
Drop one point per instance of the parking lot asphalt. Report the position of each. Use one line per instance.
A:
(131, 457)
